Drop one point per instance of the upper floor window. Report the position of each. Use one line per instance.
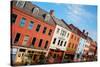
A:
(61, 43)
(33, 41)
(69, 45)
(63, 33)
(40, 43)
(50, 31)
(72, 37)
(31, 25)
(20, 4)
(25, 41)
(72, 45)
(54, 41)
(44, 30)
(46, 17)
(13, 18)
(67, 35)
(22, 22)
(46, 44)
(17, 37)
(77, 39)
(58, 30)
(38, 27)
(65, 43)
(35, 10)
(58, 42)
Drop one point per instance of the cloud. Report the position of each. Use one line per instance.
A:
(78, 13)
(82, 18)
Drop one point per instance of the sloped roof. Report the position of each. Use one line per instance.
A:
(60, 22)
(28, 8)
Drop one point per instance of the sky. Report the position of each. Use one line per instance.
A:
(81, 16)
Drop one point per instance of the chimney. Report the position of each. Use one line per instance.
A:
(52, 12)
(83, 31)
(87, 33)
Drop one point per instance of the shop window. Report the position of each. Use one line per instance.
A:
(22, 50)
(55, 55)
(19, 55)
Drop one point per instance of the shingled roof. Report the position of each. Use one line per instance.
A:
(28, 8)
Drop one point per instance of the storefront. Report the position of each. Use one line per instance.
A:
(25, 56)
(57, 55)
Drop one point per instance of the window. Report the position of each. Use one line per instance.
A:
(26, 38)
(77, 39)
(40, 42)
(50, 31)
(35, 10)
(44, 31)
(17, 38)
(65, 43)
(72, 37)
(22, 50)
(54, 40)
(19, 55)
(72, 45)
(31, 25)
(47, 17)
(35, 57)
(75, 46)
(67, 35)
(20, 4)
(69, 45)
(61, 43)
(22, 22)
(38, 27)
(63, 33)
(46, 44)
(58, 42)
(13, 18)
(55, 55)
(33, 41)
(58, 30)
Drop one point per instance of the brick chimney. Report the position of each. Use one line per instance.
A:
(83, 31)
(52, 12)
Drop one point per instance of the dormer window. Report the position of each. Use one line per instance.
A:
(46, 17)
(20, 4)
(35, 10)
